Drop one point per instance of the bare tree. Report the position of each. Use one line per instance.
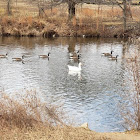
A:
(44, 4)
(124, 6)
(9, 11)
(71, 8)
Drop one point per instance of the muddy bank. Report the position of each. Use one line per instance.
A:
(30, 27)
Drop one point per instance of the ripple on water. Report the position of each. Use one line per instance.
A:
(90, 96)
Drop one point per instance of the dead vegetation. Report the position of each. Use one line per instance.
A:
(25, 117)
(25, 111)
(130, 109)
(90, 20)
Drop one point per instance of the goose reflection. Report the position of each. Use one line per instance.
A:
(73, 53)
(73, 73)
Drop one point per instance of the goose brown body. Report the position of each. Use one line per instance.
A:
(44, 56)
(114, 58)
(107, 54)
(18, 58)
(3, 56)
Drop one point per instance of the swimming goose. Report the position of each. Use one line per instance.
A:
(74, 54)
(45, 56)
(108, 54)
(114, 58)
(18, 58)
(3, 56)
(74, 68)
(75, 57)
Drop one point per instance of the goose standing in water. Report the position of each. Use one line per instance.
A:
(74, 68)
(45, 56)
(3, 56)
(108, 54)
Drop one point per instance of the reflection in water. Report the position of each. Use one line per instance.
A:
(74, 55)
(89, 96)
(75, 74)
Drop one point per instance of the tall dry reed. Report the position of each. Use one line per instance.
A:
(130, 108)
(26, 110)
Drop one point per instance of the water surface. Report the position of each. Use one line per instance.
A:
(89, 96)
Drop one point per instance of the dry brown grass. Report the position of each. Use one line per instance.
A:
(90, 20)
(130, 109)
(25, 111)
(25, 117)
(47, 133)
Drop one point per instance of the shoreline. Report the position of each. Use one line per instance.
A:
(64, 133)
(35, 27)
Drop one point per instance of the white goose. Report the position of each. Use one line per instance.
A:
(74, 68)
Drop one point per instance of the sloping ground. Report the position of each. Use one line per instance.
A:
(122, 136)
(44, 122)
(68, 133)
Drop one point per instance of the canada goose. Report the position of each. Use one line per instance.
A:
(18, 58)
(74, 68)
(74, 54)
(45, 56)
(3, 56)
(114, 58)
(108, 54)
(75, 57)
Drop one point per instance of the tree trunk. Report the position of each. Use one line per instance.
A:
(40, 11)
(9, 7)
(51, 6)
(71, 8)
(124, 14)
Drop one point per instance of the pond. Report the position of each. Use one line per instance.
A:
(91, 95)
